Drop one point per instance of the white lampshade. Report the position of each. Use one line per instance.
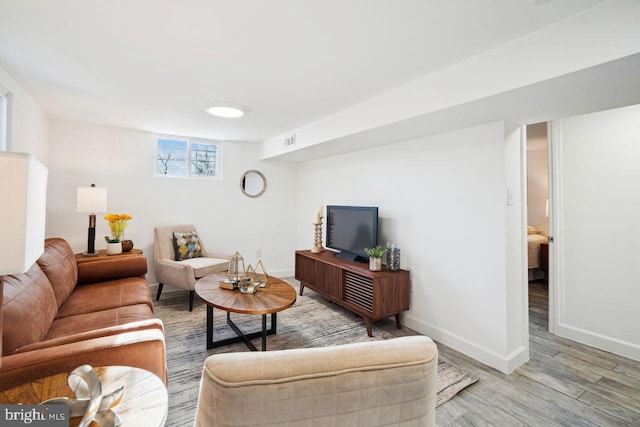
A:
(91, 200)
(23, 191)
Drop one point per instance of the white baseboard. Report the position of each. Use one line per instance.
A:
(505, 364)
(603, 342)
(167, 291)
(289, 272)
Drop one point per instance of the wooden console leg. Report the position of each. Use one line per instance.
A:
(301, 288)
(367, 321)
(398, 321)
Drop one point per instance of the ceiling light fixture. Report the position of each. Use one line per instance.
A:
(226, 111)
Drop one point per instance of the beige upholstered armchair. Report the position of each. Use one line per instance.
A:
(390, 383)
(195, 261)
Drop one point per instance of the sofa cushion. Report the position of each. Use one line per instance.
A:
(59, 264)
(186, 245)
(102, 319)
(89, 335)
(28, 308)
(106, 295)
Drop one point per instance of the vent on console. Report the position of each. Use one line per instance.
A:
(358, 290)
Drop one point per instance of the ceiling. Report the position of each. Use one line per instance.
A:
(155, 65)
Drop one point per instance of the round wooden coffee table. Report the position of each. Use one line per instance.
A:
(277, 296)
(144, 402)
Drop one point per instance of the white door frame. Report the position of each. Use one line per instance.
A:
(555, 229)
(555, 233)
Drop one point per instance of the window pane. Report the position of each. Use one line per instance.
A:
(204, 159)
(3, 120)
(172, 158)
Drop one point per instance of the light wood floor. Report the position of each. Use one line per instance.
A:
(564, 383)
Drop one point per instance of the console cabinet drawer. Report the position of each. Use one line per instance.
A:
(305, 269)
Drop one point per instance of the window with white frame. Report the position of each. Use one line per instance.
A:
(4, 119)
(179, 157)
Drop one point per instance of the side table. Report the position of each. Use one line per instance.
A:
(144, 402)
(103, 255)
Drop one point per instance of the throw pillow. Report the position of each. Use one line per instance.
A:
(533, 230)
(186, 245)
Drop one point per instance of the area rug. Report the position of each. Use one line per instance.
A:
(451, 380)
(312, 321)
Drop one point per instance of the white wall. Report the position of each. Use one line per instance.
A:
(443, 199)
(515, 300)
(29, 125)
(599, 230)
(123, 161)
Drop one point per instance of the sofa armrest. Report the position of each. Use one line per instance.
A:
(143, 349)
(111, 269)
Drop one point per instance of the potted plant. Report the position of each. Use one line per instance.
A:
(375, 257)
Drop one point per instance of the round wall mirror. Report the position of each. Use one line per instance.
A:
(253, 183)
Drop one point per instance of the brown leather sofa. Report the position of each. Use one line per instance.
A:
(62, 314)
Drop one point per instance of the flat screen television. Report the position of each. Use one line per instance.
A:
(350, 229)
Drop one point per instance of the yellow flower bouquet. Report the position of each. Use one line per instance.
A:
(117, 224)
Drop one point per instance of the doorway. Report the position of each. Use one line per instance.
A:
(537, 147)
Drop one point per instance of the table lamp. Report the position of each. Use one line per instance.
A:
(23, 191)
(91, 200)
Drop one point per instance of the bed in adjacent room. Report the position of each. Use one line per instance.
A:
(534, 239)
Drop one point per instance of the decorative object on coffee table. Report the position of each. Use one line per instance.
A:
(317, 232)
(375, 257)
(261, 273)
(236, 268)
(251, 283)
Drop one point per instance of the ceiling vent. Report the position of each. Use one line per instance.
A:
(290, 141)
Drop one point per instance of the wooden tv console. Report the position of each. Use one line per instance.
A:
(374, 295)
